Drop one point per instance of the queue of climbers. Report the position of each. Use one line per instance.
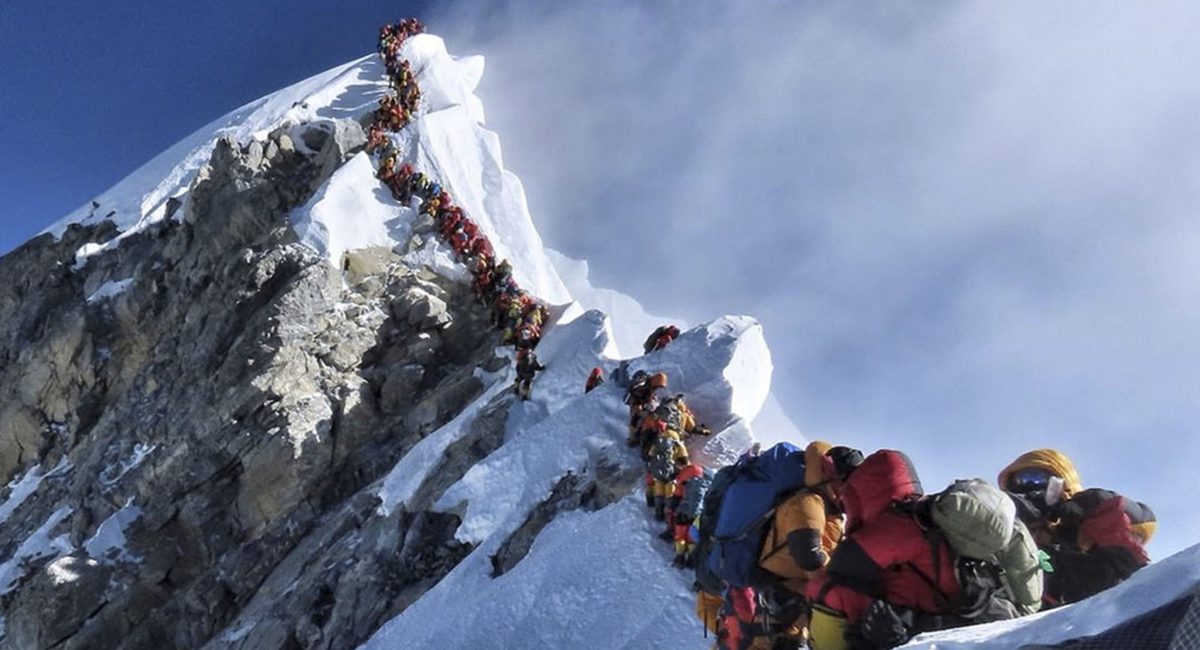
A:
(827, 548)
(660, 425)
(821, 547)
(518, 314)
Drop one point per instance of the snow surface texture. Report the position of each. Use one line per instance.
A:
(109, 541)
(140, 199)
(1150, 588)
(40, 544)
(632, 323)
(20, 489)
(448, 142)
(350, 211)
(591, 579)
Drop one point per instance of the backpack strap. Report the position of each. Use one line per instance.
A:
(780, 545)
(935, 538)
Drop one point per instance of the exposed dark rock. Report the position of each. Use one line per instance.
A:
(244, 396)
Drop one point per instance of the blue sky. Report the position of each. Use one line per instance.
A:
(91, 90)
(968, 229)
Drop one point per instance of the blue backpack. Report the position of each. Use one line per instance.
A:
(754, 488)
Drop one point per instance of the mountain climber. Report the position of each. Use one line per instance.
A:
(660, 338)
(376, 137)
(481, 274)
(805, 528)
(503, 274)
(387, 168)
(886, 573)
(1095, 538)
(691, 482)
(677, 413)
(527, 367)
(451, 217)
(666, 453)
(595, 378)
(527, 336)
(642, 398)
(741, 622)
(482, 249)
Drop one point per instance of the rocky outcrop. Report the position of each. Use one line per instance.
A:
(611, 480)
(219, 400)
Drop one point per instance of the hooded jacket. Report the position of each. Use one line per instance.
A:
(1095, 538)
(806, 528)
(886, 554)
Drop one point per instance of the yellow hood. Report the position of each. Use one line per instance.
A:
(1052, 460)
(814, 462)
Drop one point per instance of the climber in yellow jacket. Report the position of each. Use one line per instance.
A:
(806, 528)
(667, 454)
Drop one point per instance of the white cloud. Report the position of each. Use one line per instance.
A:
(968, 229)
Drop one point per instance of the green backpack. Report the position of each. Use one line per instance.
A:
(980, 523)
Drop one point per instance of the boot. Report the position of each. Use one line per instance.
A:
(649, 498)
(666, 535)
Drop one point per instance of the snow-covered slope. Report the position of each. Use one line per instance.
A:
(140, 199)
(599, 578)
(1150, 588)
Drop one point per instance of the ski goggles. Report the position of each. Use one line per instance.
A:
(1030, 479)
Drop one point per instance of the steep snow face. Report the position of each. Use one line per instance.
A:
(352, 211)
(450, 143)
(632, 323)
(635, 323)
(140, 199)
(592, 580)
(601, 578)
(723, 368)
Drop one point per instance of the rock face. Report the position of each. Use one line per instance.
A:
(203, 407)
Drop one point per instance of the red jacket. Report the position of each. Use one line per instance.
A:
(689, 472)
(886, 554)
(594, 379)
(1097, 541)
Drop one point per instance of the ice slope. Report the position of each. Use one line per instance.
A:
(140, 199)
(352, 210)
(634, 323)
(449, 142)
(1148, 589)
(591, 579)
